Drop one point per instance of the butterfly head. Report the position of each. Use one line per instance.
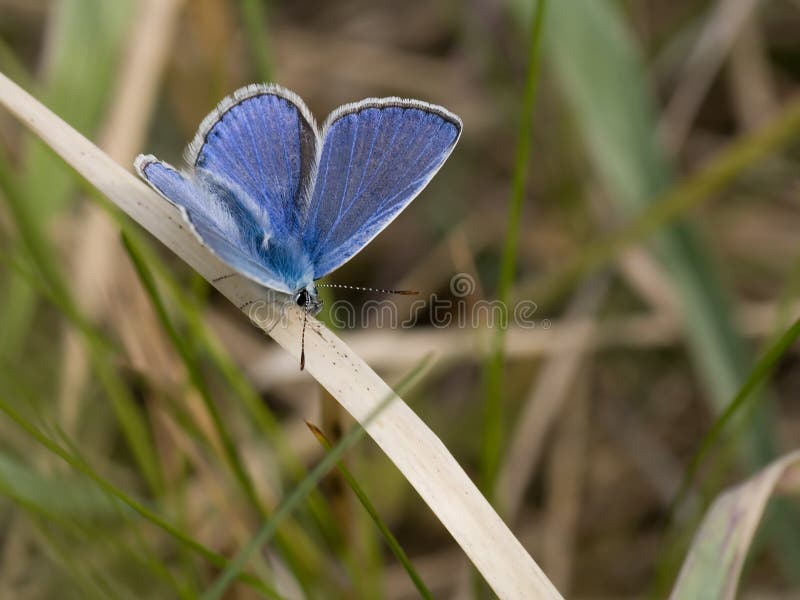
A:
(308, 299)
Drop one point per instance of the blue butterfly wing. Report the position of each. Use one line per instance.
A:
(252, 161)
(217, 217)
(264, 138)
(376, 156)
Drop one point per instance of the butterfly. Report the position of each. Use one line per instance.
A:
(284, 202)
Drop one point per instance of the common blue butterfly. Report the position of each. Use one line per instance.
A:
(284, 202)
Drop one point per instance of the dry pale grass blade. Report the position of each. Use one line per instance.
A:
(546, 399)
(716, 40)
(445, 571)
(714, 564)
(750, 79)
(406, 440)
(103, 279)
(563, 487)
(16, 543)
(647, 277)
(399, 350)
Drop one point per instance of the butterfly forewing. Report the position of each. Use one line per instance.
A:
(264, 139)
(377, 155)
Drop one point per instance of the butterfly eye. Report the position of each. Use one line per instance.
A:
(302, 298)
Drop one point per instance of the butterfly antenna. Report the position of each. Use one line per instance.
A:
(303, 343)
(368, 289)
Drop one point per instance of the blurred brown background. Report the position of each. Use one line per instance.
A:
(689, 105)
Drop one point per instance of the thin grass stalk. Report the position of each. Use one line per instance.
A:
(254, 17)
(712, 178)
(229, 448)
(81, 466)
(132, 424)
(231, 453)
(387, 534)
(242, 390)
(268, 529)
(70, 39)
(761, 371)
(492, 443)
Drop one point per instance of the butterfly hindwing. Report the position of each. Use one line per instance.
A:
(217, 216)
(376, 156)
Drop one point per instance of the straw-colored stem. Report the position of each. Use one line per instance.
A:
(406, 440)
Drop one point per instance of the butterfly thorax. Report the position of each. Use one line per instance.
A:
(292, 263)
(288, 260)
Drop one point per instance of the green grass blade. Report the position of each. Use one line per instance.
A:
(117, 493)
(761, 371)
(687, 195)
(714, 564)
(391, 540)
(268, 529)
(38, 249)
(293, 546)
(228, 445)
(618, 123)
(86, 38)
(493, 370)
(254, 17)
(604, 83)
(56, 495)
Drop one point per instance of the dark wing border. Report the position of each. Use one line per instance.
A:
(253, 90)
(391, 101)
